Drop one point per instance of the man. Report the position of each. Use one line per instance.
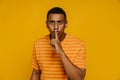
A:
(58, 56)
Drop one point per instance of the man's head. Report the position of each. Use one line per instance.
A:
(56, 21)
(57, 10)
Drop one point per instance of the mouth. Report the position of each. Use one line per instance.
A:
(53, 34)
(56, 32)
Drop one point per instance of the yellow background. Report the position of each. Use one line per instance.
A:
(97, 23)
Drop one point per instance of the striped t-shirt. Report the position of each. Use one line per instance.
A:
(49, 63)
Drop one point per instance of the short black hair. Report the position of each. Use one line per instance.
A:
(56, 10)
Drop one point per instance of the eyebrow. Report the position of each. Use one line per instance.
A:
(54, 21)
(51, 21)
(59, 21)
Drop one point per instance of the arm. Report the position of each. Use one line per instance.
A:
(73, 72)
(35, 75)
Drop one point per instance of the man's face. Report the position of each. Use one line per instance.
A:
(56, 22)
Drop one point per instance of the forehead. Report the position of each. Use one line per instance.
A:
(56, 17)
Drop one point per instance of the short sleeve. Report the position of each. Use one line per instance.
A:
(35, 64)
(80, 60)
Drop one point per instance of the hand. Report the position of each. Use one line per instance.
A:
(55, 43)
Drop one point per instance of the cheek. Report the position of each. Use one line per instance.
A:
(61, 28)
(50, 29)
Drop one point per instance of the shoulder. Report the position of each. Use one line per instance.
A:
(74, 39)
(42, 40)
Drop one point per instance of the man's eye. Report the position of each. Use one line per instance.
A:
(60, 23)
(51, 22)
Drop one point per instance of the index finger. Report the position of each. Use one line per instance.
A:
(56, 35)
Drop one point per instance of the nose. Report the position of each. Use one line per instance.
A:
(56, 27)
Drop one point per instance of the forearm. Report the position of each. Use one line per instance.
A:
(35, 75)
(35, 78)
(73, 72)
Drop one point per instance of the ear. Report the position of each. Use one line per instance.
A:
(66, 23)
(46, 24)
